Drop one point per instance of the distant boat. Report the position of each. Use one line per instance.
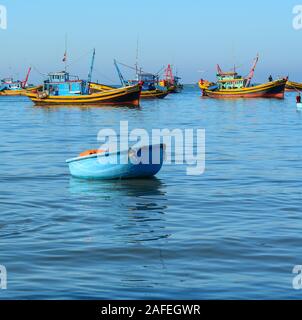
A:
(299, 106)
(125, 164)
(293, 86)
(63, 89)
(11, 87)
(171, 82)
(230, 85)
(147, 81)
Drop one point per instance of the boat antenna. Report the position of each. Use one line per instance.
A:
(65, 54)
(137, 55)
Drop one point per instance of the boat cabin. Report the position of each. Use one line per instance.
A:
(62, 84)
(177, 80)
(149, 80)
(10, 84)
(230, 80)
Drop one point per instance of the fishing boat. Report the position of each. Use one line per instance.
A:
(293, 86)
(147, 81)
(140, 162)
(63, 89)
(150, 89)
(11, 87)
(230, 85)
(171, 82)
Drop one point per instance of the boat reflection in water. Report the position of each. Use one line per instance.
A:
(50, 107)
(136, 208)
(117, 188)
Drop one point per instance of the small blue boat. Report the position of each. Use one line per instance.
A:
(140, 162)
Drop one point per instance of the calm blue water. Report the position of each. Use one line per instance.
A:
(234, 232)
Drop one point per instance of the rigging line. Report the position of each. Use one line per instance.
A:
(104, 76)
(36, 69)
(160, 71)
(240, 65)
(140, 70)
(78, 59)
(125, 65)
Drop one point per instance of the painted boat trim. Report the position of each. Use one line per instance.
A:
(152, 94)
(125, 95)
(259, 91)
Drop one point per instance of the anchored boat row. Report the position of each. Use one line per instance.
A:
(63, 89)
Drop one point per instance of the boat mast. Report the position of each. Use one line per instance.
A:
(24, 83)
(137, 53)
(252, 72)
(65, 54)
(90, 72)
(119, 74)
(91, 67)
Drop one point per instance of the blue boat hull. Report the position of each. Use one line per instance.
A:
(98, 167)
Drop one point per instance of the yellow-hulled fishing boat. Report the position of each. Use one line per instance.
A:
(12, 93)
(154, 94)
(62, 89)
(21, 92)
(147, 81)
(147, 94)
(293, 86)
(230, 85)
(274, 89)
(9, 87)
(150, 90)
(73, 93)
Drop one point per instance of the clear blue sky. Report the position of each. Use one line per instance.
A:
(193, 34)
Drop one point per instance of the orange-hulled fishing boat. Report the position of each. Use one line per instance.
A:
(230, 85)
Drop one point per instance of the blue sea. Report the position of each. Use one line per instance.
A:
(234, 232)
